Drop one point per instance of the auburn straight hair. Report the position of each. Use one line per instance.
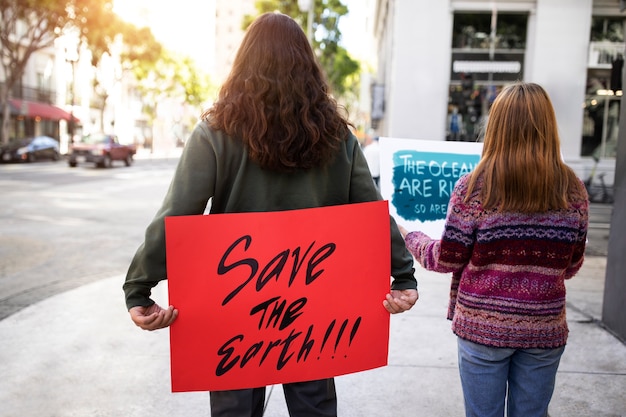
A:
(521, 165)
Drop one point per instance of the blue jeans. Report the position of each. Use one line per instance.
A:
(523, 377)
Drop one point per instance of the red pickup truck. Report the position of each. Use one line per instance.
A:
(101, 149)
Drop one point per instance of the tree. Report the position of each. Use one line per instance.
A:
(334, 59)
(133, 47)
(172, 78)
(28, 26)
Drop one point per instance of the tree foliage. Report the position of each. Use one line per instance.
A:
(334, 59)
(137, 48)
(29, 26)
(171, 77)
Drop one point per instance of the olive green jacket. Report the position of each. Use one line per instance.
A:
(215, 166)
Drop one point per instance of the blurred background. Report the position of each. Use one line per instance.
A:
(144, 70)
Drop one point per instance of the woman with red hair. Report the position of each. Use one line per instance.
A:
(515, 231)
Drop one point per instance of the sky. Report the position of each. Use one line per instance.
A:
(181, 26)
(353, 26)
(185, 28)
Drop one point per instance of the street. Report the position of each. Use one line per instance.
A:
(72, 233)
(63, 227)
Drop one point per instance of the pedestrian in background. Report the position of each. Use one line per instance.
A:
(454, 124)
(515, 231)
(372, 155)
(274, 140)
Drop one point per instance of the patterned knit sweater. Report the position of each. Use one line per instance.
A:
(508, 270)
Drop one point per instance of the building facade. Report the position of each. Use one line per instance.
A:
(37, 103)
(441, 64)
(229, 33)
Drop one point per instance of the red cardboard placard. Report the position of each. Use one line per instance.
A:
(269, 298)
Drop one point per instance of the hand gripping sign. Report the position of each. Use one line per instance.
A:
(278, 297)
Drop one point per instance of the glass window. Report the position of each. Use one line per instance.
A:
(473, 31)
(600, 120)
(511, 31)
(607, 29)
(604, 88)
(483, 60)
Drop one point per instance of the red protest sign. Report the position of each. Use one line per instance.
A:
(268, 298)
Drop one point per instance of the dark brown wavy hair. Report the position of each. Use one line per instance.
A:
(521, 164)
(277, 100)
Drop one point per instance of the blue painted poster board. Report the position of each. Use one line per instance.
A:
(417, 177)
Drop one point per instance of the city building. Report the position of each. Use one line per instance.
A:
(229, 33)
(37, 103)
(62, 95)
(450, 57)
(56, 97)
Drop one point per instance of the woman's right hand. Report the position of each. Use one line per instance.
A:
(153, 317)
(399, 301)
(403, 231)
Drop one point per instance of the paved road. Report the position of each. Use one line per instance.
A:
(61, 228)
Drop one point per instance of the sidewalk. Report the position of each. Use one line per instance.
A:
(78, 354)
(169, 152)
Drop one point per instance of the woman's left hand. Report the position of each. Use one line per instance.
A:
(399, 301)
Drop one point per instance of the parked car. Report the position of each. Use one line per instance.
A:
(31, 150)
(101, 149)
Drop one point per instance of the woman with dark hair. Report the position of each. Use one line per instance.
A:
(274, 140)
(515, 231)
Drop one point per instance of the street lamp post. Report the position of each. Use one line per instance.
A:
(308, 6)
(71, 56)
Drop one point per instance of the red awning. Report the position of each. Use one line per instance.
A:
(36, 109)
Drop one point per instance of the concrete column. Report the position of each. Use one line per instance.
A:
(613, 315)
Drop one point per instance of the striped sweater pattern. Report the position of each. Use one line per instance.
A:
(508, 270)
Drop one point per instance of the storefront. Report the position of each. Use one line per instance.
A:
(604, 87)
(31, 118)
(487, 53)
(441, 64)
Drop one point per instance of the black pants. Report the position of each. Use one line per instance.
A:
(304, 399)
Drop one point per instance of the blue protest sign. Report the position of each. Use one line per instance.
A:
(417, 178)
